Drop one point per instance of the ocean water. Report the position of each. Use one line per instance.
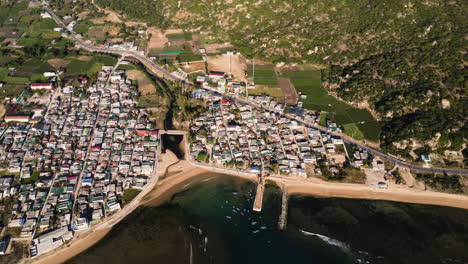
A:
(213, 222)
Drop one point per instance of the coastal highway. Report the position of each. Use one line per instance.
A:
(162, 73)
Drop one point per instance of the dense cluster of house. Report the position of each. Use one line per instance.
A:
(249, 138)
(74, 165)
(219, 81)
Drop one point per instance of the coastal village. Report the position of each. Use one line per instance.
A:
(236, 134)
(73, 157)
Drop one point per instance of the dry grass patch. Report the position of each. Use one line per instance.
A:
(58, 63)
(193, 66)
(145, 86)
(84, 58)
(158, 40)
(234, 64)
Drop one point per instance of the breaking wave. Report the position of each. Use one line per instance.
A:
(328, 240)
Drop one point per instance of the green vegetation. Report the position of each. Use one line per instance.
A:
(91, 67)
(353, 131)
(176, 36)
(129, 195)
(264, 75)
(201, 157)
(402, 58)
(185, 57)
(443, 183)
(273, 92)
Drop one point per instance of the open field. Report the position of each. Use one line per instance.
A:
(58, 63)
(158, 40)
(187, 57)
(234, 64)
(308, 83)
(264, 75)
(193, 66)
(11, 90)
(273, 92)
(353, 131)
(290, 94)
(88, 65)
(145, 85)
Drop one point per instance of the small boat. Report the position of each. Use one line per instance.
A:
(228, 217)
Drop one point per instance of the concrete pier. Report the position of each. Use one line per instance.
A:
(284, 210)
(257, 207)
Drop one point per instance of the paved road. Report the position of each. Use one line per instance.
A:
(160, 72)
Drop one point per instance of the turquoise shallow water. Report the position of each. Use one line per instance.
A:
(212, 222)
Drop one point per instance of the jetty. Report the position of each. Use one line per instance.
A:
(257, 206)
(284, 210)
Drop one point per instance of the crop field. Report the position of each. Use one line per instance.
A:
(357, 122)
(10, 14)
(31, 67)
(176, 36)
(273, 92)
(264, 75)
(11, 90)
(97, 32)
(371, 130)
(186, 57)
(88, 67)
(353, 131)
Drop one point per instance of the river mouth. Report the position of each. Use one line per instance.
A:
(174, 143)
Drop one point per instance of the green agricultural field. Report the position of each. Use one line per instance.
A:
(353, 131)
(38, 77)
(11, 90)
(31, 67)
(264, 75)
(371, 130)
(308, 83)
(175, 36)
(16, 80)
(323, 118)
(76, 67)
(3, 73)
(91, 67)
(94, 69)
(273, 92)
(185, 57)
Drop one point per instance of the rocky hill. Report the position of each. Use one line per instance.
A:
(405, 59)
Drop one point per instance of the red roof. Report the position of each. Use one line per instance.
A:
(40, 84)
(16, 117)
(142, 132)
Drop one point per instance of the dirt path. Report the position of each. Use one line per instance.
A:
(290, 95)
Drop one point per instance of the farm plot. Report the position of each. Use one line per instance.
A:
(86, 66)
(145, 84)
(264, 75)
(358, 123)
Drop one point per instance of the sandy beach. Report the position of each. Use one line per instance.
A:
(358, 191)
(179, 175)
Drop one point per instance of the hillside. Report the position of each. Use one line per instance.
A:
(404, 58)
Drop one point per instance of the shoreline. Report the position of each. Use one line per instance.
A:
(358, 191)
(180, 175)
